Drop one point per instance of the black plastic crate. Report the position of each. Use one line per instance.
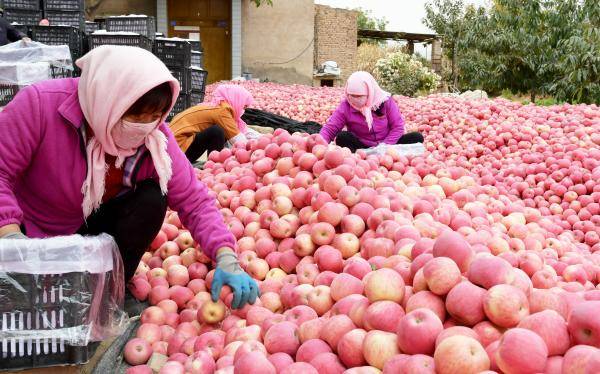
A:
(196, 97)
(59, 35)
(7, 93)
(196, 45)
(66, 18)
(43, 302)
(141, 25)
(183, 75)
(99, 39)
(173, 52)
(91, 27)
(59, 72)
(21, 4)
(181, 104)
(25, 29)
(198, 79)
(72, 5)
(197, 59)
(24, 17)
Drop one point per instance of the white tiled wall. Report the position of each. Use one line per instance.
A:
(161, 16)
(236, 38)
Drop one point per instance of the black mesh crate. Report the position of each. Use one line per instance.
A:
(71, 5)
(197, 59)
(181, 104)
(21, 4)
(142, 25)
(66, 18)
(7, 93)
(105, 38)
(91, 27)
(196, 97)
(24, 17)
(196, 45)
(43, 302)
(50, 317)
(60, 72)
(25, 29)
(173, 52)
(59, 35)
(198, 79)
(183, 75)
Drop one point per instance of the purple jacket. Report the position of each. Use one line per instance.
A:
(387, 128)
(43, 166)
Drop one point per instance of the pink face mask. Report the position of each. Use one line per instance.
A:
(130, 135)
(357, 102)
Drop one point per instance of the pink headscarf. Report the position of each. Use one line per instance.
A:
(236, 96)
(363, 83)
(112, 79)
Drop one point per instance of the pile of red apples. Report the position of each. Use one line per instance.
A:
(480, 256)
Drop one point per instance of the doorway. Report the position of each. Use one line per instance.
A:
(212, 20)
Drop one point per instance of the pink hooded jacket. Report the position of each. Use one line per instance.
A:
(43, 167)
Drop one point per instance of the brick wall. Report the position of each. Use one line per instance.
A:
(335, 37)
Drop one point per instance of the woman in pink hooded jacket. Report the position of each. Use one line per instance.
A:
(92, 154)
(370, 116)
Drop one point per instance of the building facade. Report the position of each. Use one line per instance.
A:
(284, 43)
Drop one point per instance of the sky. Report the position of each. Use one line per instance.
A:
(403, 15)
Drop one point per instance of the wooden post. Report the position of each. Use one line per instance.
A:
(411, 47)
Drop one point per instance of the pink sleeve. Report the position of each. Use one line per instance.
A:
(334, 124)
(20, 132)
(189, 198)
(395, 122)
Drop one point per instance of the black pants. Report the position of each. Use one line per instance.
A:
(349, 140)
(133, 219)
(211, 139)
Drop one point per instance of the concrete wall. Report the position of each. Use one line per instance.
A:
(100, 8)
(272, 36)
(335, 37)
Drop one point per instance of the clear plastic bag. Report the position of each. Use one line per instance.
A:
(23, 63)
(66, 290)
(415, 149)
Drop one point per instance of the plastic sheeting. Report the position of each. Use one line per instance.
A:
(24, 63)
(265, 119)
(64, 289)
(415, 149)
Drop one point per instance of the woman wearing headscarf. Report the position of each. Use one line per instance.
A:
(93, 155)
(207, 127)
(370, 116)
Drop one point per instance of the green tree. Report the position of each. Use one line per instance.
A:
(578, 55)
(446, 18)
(533, 46)
(366, 21)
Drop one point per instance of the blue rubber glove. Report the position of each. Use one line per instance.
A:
(229, 272)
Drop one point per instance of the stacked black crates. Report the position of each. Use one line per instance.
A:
(177, 56)
(65, 13)
(60, 35)
(46, 302)
(135, 31)
(23, 12)
(142, 25)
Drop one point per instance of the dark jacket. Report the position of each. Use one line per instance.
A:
(8, 33)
